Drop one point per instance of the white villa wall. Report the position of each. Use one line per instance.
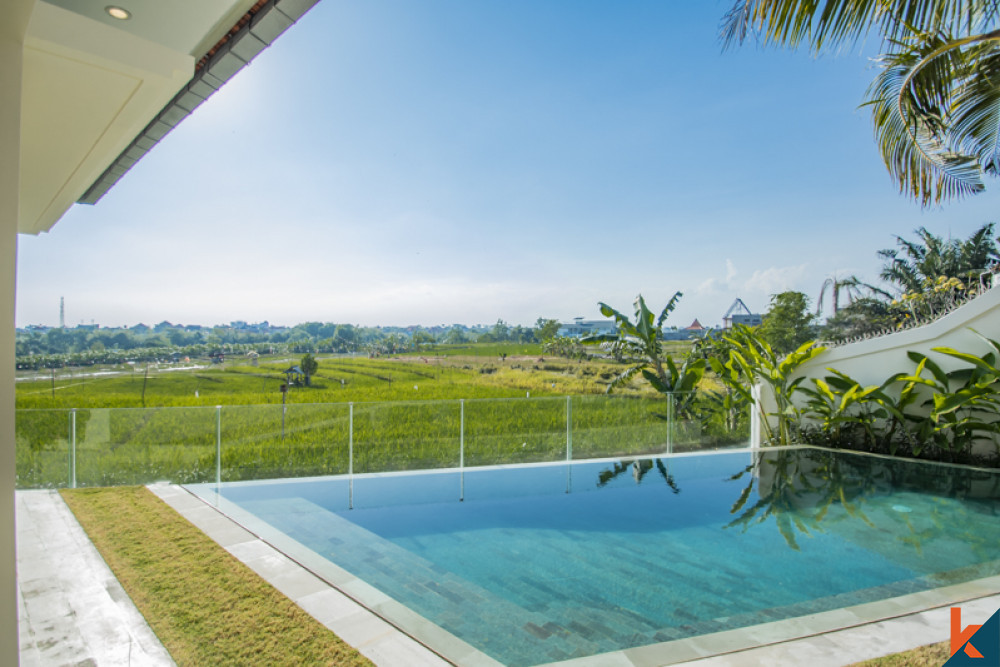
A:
(872, 361)
(13, 27)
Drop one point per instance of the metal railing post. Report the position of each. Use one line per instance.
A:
(350, 455)
(461, 450)
(72, 448)
(218, 445)
(569, 428)
(670, 424)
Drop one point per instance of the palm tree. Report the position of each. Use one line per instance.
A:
(936, 100)
(851, 285)
(916, 264)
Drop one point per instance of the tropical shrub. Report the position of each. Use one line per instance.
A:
(928, 413)
(751, 360)
(639, 345)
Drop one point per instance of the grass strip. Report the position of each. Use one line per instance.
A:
(206, 607)
(932, 655)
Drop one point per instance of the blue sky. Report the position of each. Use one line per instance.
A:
(393, 162)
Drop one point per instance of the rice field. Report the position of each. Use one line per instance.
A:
(359, 414)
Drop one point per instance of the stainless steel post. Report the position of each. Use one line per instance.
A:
(218, 446)
(350, 456)
(569, 428)
(72, 448)
(461, 449)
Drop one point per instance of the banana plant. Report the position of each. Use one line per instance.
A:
(751, 360)
(639, 345)
(638, 469)
(728, 404)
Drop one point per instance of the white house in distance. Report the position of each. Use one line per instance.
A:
(580, 328)
(88, 88)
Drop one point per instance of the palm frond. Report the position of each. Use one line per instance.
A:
(909, 100)
(830, 23)
(976, 107)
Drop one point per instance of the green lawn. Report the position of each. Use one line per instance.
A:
(932, 655)
(206, 607)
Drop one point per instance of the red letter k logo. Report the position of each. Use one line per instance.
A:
(960, 636)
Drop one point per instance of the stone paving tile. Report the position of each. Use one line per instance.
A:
(71, 609)
(357, 626)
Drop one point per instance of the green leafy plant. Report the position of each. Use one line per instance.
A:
(751, 360)
(639, 345)
(874, 415)
(927, 412)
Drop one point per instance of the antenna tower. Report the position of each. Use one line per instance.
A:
(62, 312)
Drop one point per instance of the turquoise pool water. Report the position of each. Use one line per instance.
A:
(541, 563)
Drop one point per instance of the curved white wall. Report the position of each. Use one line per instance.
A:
(872, 361)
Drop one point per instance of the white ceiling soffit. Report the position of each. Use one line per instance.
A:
(98, 93)
(185, 26)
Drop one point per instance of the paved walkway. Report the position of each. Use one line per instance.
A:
(71, 609)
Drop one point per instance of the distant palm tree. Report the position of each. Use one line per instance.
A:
(914, 264)
(851, 286)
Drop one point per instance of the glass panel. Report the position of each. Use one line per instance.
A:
(42, 455)
(605, 426)
(515, 430)
(267, 442)
(406, 435)
(118, 446)
(710, 420)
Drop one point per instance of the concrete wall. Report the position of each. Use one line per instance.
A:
(12, 30)
(872, 361)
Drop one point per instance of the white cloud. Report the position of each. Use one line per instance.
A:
(709, 287)
(765, 282)
(775, 279)
(730, 271)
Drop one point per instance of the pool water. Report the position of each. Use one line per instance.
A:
(548, 562)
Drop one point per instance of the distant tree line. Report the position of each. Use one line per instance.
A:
(86, 346)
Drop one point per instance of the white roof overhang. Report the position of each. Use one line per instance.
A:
(98, 93)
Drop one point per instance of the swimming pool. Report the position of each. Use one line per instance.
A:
(532, 564)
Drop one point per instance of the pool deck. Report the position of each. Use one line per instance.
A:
(73, 611)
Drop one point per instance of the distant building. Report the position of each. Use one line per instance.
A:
(738, 313)
(580, 327)
(693, 330)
